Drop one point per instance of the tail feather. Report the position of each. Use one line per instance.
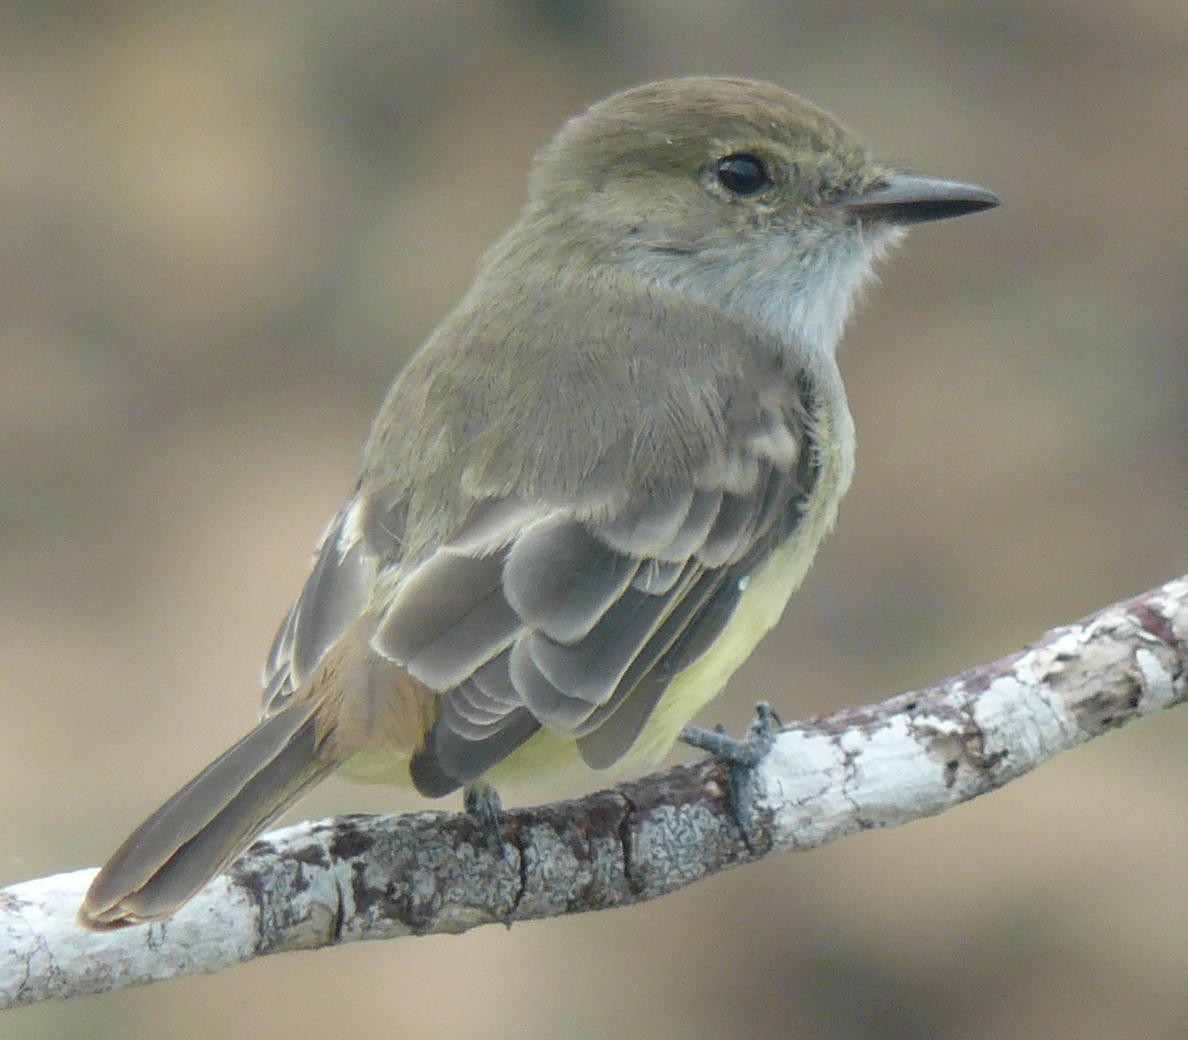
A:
(203, 827)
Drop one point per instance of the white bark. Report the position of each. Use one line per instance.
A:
(356, 877)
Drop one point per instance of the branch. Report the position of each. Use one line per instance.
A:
(378, 877)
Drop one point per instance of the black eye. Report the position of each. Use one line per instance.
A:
(743, 174)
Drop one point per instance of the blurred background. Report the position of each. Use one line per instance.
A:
(222, 229)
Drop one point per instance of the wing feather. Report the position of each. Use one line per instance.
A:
(591, 669)
(574, 613)
(561, 579)
(448, 617)
(335, 593)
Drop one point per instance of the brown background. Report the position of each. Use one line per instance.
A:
(223, 226)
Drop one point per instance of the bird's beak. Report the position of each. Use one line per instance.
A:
(910, 198)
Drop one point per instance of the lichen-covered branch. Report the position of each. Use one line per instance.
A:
(378, 877)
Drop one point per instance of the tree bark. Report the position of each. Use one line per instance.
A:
(378, 877)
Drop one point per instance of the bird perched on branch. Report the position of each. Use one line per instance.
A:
(593, 489)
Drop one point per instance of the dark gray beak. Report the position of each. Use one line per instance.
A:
(910, 198)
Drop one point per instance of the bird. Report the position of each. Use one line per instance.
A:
(592, 490)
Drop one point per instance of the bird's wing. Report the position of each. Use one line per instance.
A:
(336, 592)
(569, 614)
(577, 620)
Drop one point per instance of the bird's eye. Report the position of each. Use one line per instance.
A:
(743, 174)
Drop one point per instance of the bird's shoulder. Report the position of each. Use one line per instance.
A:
(541, 387)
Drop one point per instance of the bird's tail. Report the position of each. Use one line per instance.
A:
(210, 821)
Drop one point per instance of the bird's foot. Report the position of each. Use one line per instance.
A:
(740, 757)
(485, 808)
(745, 752)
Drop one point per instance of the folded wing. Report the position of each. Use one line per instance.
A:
(570, 615)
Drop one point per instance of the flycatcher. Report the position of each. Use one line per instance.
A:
(592, 491)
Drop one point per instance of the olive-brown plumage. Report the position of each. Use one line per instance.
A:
(592, 490)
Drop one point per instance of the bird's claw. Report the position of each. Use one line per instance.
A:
(740, 755)
(483, 805)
